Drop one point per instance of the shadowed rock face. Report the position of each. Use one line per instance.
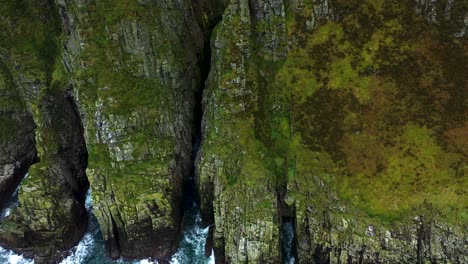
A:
(17, 145)
(343, 119)
(51, 217)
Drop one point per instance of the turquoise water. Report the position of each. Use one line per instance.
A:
(91, 249)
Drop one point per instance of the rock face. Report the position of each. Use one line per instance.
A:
(343, 119)
(17, 147)
(136, 100)
(293, 115)
(135, 69)
(51, 217)
(236, 187)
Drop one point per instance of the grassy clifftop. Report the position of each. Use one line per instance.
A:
(380, 90)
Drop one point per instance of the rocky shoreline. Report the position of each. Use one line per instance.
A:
(342, 120)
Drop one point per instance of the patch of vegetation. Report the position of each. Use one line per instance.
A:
(379, 89)
(30, 36)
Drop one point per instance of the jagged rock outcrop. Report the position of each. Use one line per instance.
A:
(51, 217)
(327, 234)
(450, 15)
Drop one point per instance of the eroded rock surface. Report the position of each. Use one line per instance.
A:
(346, 119)
(50, 217)
(135, 68)
(292, 114)
(17, 146)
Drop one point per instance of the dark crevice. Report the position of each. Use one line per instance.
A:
(208, 217)
(114, 248)
(191, 198)
(204, 67)
(7, 194)
(190, 194)
(322, 254)
(82, 185)
(10, 196)
(423, 235)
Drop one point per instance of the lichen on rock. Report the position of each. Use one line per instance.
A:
(344, 119)
(134, 65)
(51, 217)
(320, 119)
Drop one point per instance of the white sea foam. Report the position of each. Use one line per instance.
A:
(9, 257)
(84, 249)
(192, 249)
(5, 213)
(145, 261)
(90, 249)
(88, 201)
(212, 258)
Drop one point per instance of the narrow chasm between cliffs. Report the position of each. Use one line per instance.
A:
(192, 248)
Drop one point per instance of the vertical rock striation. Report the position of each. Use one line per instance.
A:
(238, 190)
(135, 69)
(342, 121)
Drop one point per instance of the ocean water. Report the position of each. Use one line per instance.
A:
(288, 242)
(12, 203)
(91, 249)
(192, 247)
